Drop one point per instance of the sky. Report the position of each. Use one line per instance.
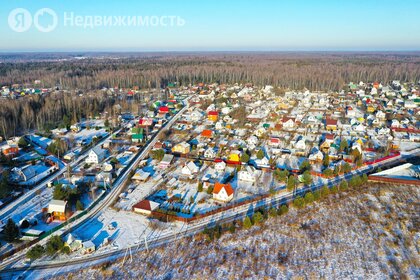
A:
(214, 25)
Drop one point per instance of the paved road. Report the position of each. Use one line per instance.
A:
(163, 237)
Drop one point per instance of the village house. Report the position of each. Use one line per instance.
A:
(220, 166)
(210, 153)
(190, 169)
(10, 150)
(315, 155)
(166, 161)
(331, 124)
(145, 207)
(207, 133)
(146, 122)
(57, 209)
(223, 192)
(88, 247)
(73, 242)
(96, 155)
(182, 148)
(213, 116)
(247, 175)
(274, 142)
(328, 140)
(140, 175)
(288, 123)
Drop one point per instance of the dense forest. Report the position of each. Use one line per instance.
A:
(48, 111)
(315, 71)
(88, 73)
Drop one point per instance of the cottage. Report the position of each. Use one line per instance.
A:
(220, 166)
(264, 162)
(145, 207)
(235, 156)
(59, 131)
(146, 122)
(288, 123)
(209, 153)
(137, 134)
(260, 132)
(247, 175)
(274, 142)
(315, 155)
(10, 150)
(207, 133)
(96, 155)
(88, 247)
(163, 110)
(73, 242)
(331, 124)
(326, 144)
(300, 144)
(166, 161)
(140, 175)
(223, 192)
(252, 141)
(213, 116)
(219, 125)
(350, 112)
(380, 115)
(75, 128)
(57, 209)
(190, 169)
(196, 116)
(182, 148)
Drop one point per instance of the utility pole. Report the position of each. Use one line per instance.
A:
(145, 243)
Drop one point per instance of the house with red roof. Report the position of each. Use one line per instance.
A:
(288, 123)
(163, 109)
(213, 116)
(9, 150)
(331, 124)
(145, 122)
(145, 207)
(274, 141)
(223, 192)
(207, 133)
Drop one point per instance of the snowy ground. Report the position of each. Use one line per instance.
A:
(370, 234)
(407, 145)
(33, 207)
(138, 193)
(85, 134)
(121, 228)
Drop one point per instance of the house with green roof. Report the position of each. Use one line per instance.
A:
(137, 134)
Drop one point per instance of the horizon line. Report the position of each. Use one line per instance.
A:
(215, 51)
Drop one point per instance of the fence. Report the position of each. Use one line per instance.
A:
(165, 216)
(393, 180)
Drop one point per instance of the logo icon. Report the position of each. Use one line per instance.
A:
(50, 16)
(20, 20)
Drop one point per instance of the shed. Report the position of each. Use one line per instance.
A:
(88, 247)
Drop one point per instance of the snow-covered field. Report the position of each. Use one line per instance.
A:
(370, 234)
